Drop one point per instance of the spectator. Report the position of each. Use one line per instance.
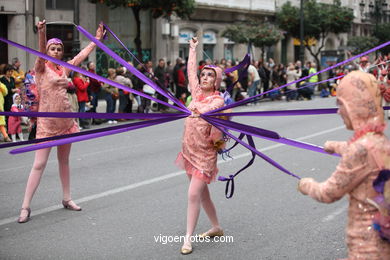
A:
(95, 87)
(124, 98)
(161, 80)
(81, 83)
(18, 73)
(111, 94)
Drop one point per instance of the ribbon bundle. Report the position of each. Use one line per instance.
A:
(159, 118)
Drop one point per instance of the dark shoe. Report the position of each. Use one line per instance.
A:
(68, 205)
(24, 219)
(7, 140)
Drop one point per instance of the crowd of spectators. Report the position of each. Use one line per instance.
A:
(262, 76)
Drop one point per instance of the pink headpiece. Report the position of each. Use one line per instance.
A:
(54, 41)
(218, 75)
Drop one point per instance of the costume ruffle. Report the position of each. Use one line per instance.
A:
(184, 164)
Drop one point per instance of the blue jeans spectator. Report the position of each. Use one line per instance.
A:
(110, 103)
(252, 89)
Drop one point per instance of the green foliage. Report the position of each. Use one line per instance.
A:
(319, 19)
(382, 33)
(362, 43)
(257, 33)
(182, 8)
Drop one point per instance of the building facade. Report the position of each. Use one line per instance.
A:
(161, 38)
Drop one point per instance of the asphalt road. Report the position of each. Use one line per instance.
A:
(132, 194)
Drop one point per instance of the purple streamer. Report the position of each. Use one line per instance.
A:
(282, 112)
(130, 68)
(98, 130)
(243, 63)
(298, 112)
(94, 115)
(88, 136)
(247, 100)
(251, 130)
(316, 83)
(261, 155)
(89, 74)
(246, 129)
(124, 46)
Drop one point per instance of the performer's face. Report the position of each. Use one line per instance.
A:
(342, 111)
(55, 51)
(207, 79)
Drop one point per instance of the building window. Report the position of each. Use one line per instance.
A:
(228, 49)
(209, 42)
(60, 4)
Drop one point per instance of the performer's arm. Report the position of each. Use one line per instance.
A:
(79, 58)
(40, 62)
(350, 172)
(192, 68)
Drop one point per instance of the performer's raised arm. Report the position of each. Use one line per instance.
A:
(192, 70)
(40, 62)
(83, 54)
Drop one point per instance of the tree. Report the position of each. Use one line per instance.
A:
(254, 32)
(320, 20)
(382, 33)
(362, 43)
(158, 8)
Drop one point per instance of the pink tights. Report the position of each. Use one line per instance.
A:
(40, 161)
(198, 193)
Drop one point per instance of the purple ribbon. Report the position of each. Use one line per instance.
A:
(244, 63)
(250, 99)
(78, 137)
(90, 74)
(316, 83)
(265, 134)
(263, 156)
(230, 180)
(298, 112)
(94, 115)
(133, 70)
(124, 46)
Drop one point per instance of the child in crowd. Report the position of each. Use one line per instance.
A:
(3, 93)
(14, 122)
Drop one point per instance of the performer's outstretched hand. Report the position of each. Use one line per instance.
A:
(194, 42)
(100, 32)
(41, 25)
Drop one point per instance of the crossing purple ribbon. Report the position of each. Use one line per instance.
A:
(172, 97)
(87, 135)
(94, 115)
(90, 74)
(133, 70)
(222, 125)
(250, 99)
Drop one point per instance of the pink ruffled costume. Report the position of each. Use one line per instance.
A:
(53, 95)
(367, 153)
(198, 155)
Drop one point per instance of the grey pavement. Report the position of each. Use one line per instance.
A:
(132, 193)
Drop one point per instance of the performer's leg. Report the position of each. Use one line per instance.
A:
(40, 161)
(63, 152)
(195, 190)
(13, 138)
(209, 208)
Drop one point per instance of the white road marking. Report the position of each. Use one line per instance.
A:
(157, 179)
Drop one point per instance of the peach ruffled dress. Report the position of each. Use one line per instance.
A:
(198, 155)
(362, 158)
(53, 96)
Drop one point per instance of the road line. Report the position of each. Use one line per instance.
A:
(161, 178)
(334, 214)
